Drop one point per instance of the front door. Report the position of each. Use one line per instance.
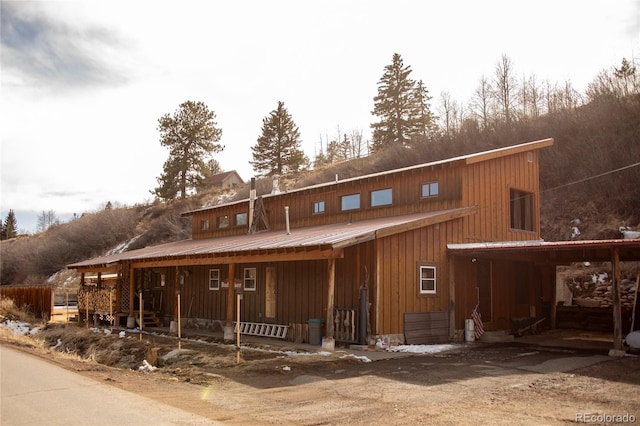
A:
(270, 293)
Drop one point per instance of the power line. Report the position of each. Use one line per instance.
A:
(592, 177)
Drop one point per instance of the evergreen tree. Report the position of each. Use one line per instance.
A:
(278, 148)
(192, 137)
(402, 106)
(9, 226)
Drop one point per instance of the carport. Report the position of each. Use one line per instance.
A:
(541, 255)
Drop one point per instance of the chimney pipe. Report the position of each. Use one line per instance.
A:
(276, 184)
(286, 218)
(252, 200)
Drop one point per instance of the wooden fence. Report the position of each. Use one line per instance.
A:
(35, 299)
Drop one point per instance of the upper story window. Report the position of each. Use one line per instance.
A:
(521, 210)
(427, 279)
(204, 224)
(318, 207)
(350, 202)
(381, 197)
(430, 189)
(223, 221)
(249, 279)
(214, 279)
(241, 219)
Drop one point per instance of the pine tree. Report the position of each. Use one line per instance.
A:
(278, 148)
(402, 106)
(9, 226)
(192, 137)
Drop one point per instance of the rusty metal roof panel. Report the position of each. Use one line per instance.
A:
(331, 236)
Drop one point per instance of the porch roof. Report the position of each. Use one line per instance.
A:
(551, 252)
(315, 242)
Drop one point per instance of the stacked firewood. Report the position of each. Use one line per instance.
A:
(98, 299)
(596, 292)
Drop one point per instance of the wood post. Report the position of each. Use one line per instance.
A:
(615, 290)
(330, 297)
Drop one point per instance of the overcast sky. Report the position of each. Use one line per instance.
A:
(84, 82)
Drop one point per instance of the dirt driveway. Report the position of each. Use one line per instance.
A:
(497, 383)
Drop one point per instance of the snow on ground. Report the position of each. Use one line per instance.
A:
(423, 349)
(19, 328)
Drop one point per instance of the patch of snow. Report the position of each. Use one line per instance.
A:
(56, 346)
(575, 232)
(122, 334)
(358, 357)
(286, 368)
(422, 349)
(175, 353)
(17, 328)
(146, 366)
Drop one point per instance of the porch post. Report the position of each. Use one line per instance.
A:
(228, 327)
(328, 342)
(451, 261)
(132, 293)
(617, 315)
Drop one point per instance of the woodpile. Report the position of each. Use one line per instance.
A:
(98, 299)
(595, 291)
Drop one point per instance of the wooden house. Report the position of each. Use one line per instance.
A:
(366, 256)
(226, 180)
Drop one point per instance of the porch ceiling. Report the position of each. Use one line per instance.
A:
(318, 242)
(556, 252)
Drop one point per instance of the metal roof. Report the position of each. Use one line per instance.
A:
(324, 237)
(554, 252)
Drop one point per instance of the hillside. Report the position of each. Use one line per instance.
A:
(589, 182)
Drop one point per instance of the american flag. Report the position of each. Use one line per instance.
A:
(477, 322)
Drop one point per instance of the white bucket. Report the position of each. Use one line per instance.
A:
(469, 331)
(173, 326)
(131, 322)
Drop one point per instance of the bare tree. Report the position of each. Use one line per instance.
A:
(46, 220)
(481, 102)
(448, 111)
(506, 87)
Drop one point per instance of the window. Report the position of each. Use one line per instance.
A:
(223, 221)
(214, 279)
(430, 189)
(204, 224)
(521, 209)
(249, 279)
(427, 279)
(351, 202)
(318, 207)
(382, 197)
(241, 219)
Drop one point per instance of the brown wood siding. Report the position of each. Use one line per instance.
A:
(488, 184)
(400, 256)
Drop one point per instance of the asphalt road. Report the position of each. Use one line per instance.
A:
(35, 392)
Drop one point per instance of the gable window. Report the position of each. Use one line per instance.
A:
(381, 197)
(350, 202)
(430, 189)
(249, 279)
(318, 207)
(521, 210)
(241, 219)
(223, 221)
(427, 279)
(214, 279)
(204, 224)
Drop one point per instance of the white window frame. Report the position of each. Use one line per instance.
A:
(204, 225)
(250, 282)
(422, 289)
(318, 207)
(214, 282)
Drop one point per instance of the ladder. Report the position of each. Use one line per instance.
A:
(262, 329)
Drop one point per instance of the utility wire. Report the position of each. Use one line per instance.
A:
(593, 177)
